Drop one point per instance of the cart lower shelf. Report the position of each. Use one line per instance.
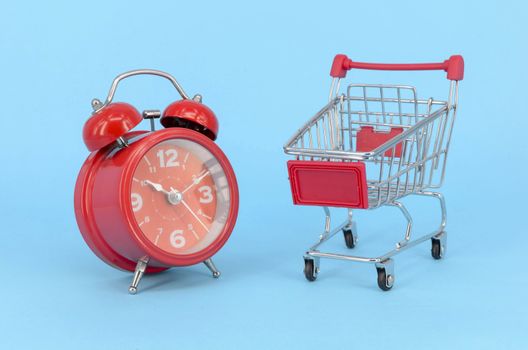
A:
(384, 264)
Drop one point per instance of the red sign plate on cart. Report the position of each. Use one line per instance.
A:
(330, 184)
(369, 139)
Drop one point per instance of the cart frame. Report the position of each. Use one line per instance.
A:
(409, 162)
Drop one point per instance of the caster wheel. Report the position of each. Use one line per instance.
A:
(436, 249)
(349, 238)
(385, 282)
(309, 270)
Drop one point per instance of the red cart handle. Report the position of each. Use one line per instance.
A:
(454, 66)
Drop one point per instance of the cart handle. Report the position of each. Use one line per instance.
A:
(454, 66)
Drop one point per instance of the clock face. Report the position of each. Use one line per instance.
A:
(180, 196)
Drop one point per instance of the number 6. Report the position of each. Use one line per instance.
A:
(177, 240)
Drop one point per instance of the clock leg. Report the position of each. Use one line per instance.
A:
(211, 266)
(140, 270)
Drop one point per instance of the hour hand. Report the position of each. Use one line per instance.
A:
(156, 186)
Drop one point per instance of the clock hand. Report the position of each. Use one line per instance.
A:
(194, 215)
(156, 186)
(196, 181)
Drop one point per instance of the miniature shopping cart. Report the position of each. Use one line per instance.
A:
(371, 146)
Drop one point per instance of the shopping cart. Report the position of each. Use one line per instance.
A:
(369, 147)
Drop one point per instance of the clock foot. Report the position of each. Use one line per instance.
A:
(140, 270)
(211, 266)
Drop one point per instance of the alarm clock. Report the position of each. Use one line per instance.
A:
(146, 201)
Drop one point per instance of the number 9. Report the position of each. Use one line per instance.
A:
(137, 202)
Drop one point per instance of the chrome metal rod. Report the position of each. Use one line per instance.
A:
(325, 237)
(409, 245)
(408, 217)
(343, 257)
(138, 274)
(211, 266)
(115, 83)
(373, 259)
(327, 220)
(443, 208)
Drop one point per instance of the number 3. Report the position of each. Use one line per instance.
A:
(207, 194)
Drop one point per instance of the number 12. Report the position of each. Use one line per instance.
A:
(171, 155)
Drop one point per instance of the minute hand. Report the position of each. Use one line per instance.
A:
(196, 181)
(195, 216)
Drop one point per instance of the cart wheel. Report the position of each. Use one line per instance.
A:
(309, 270)
(436, 249)
(385, 282)
(349, 238)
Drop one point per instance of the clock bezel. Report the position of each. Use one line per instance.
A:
(154, 252)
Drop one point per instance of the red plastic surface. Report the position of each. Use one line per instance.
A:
(338, 69)
(454, 66)
(368, 139)
(192, 111)
(104, 212)
(330, 184)
(86, 222)
(110, 123)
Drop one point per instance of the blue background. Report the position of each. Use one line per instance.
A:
(263, 68)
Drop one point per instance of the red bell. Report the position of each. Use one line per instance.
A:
(191, 114)
(109, 124)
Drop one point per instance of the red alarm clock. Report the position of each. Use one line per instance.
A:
(146, 201)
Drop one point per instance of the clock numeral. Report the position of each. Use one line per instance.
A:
(137, 202)
(160, 231)
(207, 194)
(177, 240)
(168, 158)
(146, 220)
(201, 213)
